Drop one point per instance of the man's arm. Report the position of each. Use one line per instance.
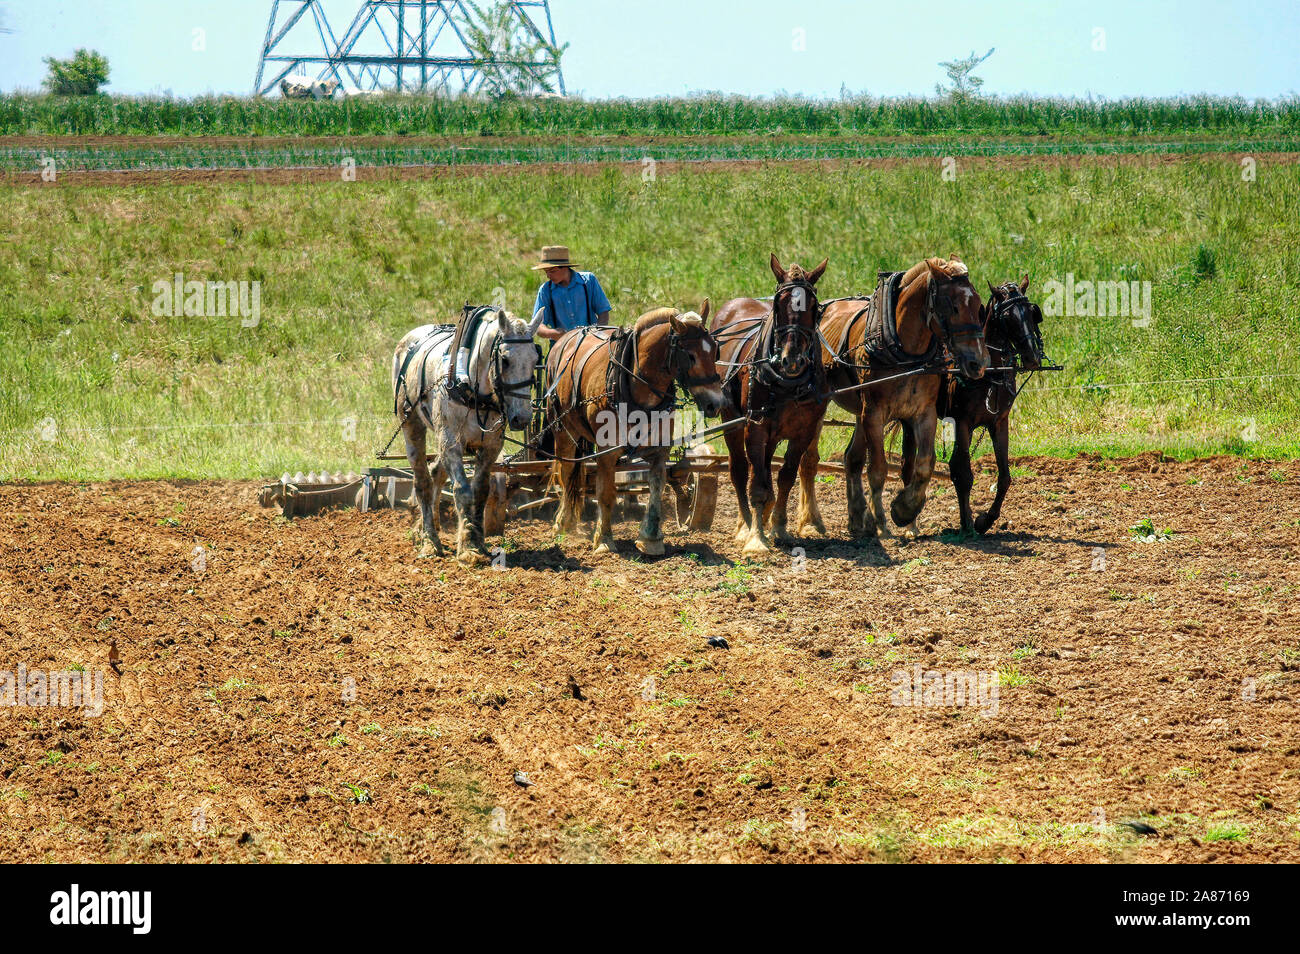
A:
(545, 329)
(599, 303)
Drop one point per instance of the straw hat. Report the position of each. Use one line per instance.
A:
(554, 256)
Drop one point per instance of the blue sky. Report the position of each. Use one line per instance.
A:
(671, 47)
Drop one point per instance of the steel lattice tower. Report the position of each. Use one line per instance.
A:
(399, 45)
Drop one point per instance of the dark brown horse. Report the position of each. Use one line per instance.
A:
(614, 389)
(775, 381)
(1011, 333)
(899, 334)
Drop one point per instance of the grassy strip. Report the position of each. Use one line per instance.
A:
(23, 114)
(347, 268)
(199, 156)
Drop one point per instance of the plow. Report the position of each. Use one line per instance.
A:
(522, 487)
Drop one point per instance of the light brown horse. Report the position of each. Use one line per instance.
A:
(776, 382)
(935, 307)
(614, 390)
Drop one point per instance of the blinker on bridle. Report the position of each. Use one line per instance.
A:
(805, 336)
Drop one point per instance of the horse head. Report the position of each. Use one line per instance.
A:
(512, 359)
(795, 312)
(953, 311)
(693, 360)
(1011, 323)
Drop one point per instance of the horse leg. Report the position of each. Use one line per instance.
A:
(810, 515)
(570, 477)
(738, 466)
(454, 458)
(855, 456)
(962, 477)
(877, 471)
(769, 451)
(759, 450)
(908, 504)
(1001, 450)
(415, 434)
(794, 451)
(479, 491)
(651, 541)
(603, 538)
(439, 478)
(907, 471)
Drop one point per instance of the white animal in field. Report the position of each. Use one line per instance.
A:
(317, 89)
(499, 369)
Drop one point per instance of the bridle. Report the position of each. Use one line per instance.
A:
(500, 389)
(939, 313)
(1026, 334)
(680, 361)
(1005, 337)
(804, 338)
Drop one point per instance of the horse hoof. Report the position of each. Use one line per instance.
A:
(602, 548)
(471, 558)
(651, 547)
(756, 546)
(428, 551)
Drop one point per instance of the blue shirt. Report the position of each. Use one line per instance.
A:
(573, 305)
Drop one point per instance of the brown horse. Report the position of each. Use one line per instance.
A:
(1011, 332)
(898, 333)
(615, 390)
(776, 382)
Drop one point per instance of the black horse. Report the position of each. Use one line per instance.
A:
(1015, 346)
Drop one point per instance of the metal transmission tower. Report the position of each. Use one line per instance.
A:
(398, 45)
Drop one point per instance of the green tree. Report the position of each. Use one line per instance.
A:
(511, 60)
(964, 85)
(82, 75)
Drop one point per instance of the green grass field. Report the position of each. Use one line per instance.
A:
(95, 385)
(76, 156)
(25, 114)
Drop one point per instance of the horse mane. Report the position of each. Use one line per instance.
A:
(950, 267)
(657, 316)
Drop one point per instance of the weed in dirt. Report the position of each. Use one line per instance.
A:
(1227, 832)
(1145, 531)
(1011, 677)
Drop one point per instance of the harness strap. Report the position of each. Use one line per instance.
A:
(880, 338)
(424, 343)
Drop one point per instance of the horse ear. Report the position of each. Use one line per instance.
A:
(992, 290)
(704, 310)
(536, 322)
(954, 258)
(816, 273)
(679, 326)
(777, 270)
(503, 321)
(1024, 282)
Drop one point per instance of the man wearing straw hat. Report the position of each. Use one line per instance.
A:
(568, 298)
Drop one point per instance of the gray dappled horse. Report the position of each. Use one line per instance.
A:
(470, 415)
